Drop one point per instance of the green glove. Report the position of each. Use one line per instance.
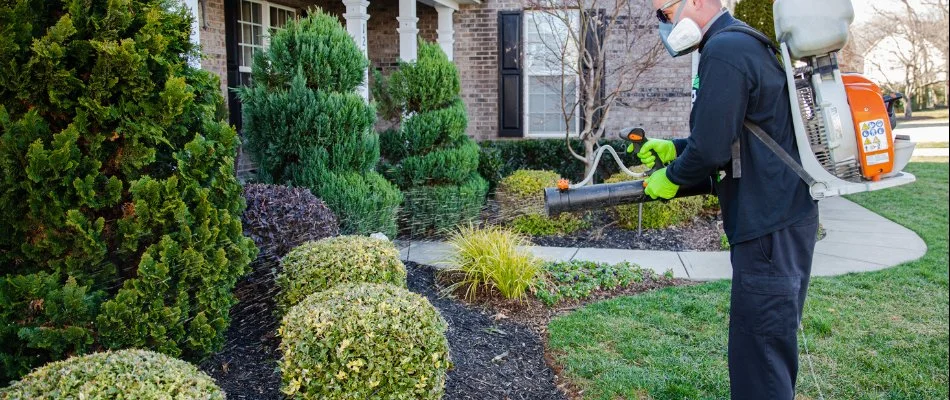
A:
(664, 148)
(658, 185)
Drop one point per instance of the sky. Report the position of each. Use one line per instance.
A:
(864, 9)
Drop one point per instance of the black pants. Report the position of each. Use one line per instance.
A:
(770, 277)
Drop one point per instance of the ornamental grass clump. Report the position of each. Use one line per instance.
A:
(316, 266)
(364, 341)
(490, 258)
(123, 374)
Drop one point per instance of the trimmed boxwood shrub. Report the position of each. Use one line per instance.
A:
(125, 374)
(501, 158)
(656, 214)
(307, 127)
(429, 156)
(120, 210)
(323, 264)
(364, 341)
(540, 225)
(280, 218)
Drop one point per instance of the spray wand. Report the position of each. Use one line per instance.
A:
(567, 197)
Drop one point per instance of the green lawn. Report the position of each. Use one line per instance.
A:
(937, 113)
(878, 335)
(932, 145)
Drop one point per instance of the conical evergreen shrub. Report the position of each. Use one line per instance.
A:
(120, 212)
(429, 156)
(306, 126)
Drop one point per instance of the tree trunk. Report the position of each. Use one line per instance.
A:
(908, 105)
(589, 155)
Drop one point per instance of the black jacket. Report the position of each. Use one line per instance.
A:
(739, 77)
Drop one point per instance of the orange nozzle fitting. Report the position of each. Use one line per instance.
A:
(563, 184)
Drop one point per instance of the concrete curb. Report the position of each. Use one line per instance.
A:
(857, 240)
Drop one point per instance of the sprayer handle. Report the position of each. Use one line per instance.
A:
(638, 137)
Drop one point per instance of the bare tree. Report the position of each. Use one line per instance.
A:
(604, 49)
(912, 37)
(938, 30)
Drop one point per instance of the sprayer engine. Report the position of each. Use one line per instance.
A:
(843, 128)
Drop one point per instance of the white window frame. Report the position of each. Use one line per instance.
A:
(265, 26)
(555, 71)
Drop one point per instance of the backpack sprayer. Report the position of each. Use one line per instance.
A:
(843, 129)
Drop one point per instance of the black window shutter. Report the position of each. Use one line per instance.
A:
(231, 12)
(597, 28)
(509, 75)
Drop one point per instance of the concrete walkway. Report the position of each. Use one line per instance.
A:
(856, 240)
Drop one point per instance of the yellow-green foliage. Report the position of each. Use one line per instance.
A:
(521, 201)
(711, 203)
(364, 341)
(123, 374)
(525, 188)
(319, 265)
(656, 214)
(540, 225)
(490, 258)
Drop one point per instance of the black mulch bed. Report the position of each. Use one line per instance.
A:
(700, 234)
(247, 367)
(493, 359)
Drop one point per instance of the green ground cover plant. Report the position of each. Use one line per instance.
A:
(577, 280)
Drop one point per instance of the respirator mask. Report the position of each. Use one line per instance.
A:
(681, 37)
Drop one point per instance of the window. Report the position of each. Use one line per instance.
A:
(550, 70)
(253, 18)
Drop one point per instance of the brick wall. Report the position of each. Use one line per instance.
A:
(212, 42)
(660, 102)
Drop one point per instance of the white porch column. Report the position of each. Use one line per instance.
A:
(356, 18)
(192, 6)
(408, 47)
(446, 30)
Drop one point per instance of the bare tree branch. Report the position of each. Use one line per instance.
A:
(603, 52)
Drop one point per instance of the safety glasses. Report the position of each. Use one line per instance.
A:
(661, 15)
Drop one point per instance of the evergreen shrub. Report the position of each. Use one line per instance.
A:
(429, 155)
(364, 341)
(306, 126)
(119, 205)
(316, 266)
(122, 374)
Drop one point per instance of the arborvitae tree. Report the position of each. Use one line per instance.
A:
(119, 206)
(429, 156)
(306, 126)
(758, 14)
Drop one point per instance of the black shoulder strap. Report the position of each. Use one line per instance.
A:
(751, 32)
(755, 129)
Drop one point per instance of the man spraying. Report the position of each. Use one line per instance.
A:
(768, 214)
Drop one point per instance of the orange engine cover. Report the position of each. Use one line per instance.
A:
(872, 126)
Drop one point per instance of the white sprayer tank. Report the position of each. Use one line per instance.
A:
(812, 27)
